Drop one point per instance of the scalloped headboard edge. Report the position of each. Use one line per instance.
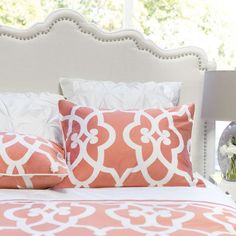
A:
(65, 45)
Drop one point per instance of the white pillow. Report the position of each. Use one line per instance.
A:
(31, 113)
(110, 95)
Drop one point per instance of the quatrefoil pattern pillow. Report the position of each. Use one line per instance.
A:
(113, 148)
(30, 162)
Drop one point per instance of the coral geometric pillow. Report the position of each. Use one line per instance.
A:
(30, 162)
(113, 148)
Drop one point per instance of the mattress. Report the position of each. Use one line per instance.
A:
(117, 211)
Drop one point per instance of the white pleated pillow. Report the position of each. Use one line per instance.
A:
(32, 114)
(125, 96)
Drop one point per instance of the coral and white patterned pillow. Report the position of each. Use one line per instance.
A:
(30, 162)
(112, 148)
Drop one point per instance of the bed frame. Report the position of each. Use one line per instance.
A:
(65, 45)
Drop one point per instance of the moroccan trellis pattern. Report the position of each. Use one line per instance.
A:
(28, 161)
(107, 148)
(101, 218)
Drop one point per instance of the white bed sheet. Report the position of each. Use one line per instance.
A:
(209, 194)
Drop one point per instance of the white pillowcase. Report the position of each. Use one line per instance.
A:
(110, 95)
(31, 113)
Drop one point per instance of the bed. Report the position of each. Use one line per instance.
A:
(65, 45)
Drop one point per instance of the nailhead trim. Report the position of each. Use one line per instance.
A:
(205, 149)
(124, 38)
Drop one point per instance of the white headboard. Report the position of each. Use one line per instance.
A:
(66, 45)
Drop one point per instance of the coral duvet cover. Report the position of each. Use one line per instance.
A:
(117, 211)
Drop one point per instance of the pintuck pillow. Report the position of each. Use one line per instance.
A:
(31, 113)
(113, 148)
(30, 162)
(111, 95)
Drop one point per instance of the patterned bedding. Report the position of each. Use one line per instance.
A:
(166, 211)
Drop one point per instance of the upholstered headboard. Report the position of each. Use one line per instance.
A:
(66, 45)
